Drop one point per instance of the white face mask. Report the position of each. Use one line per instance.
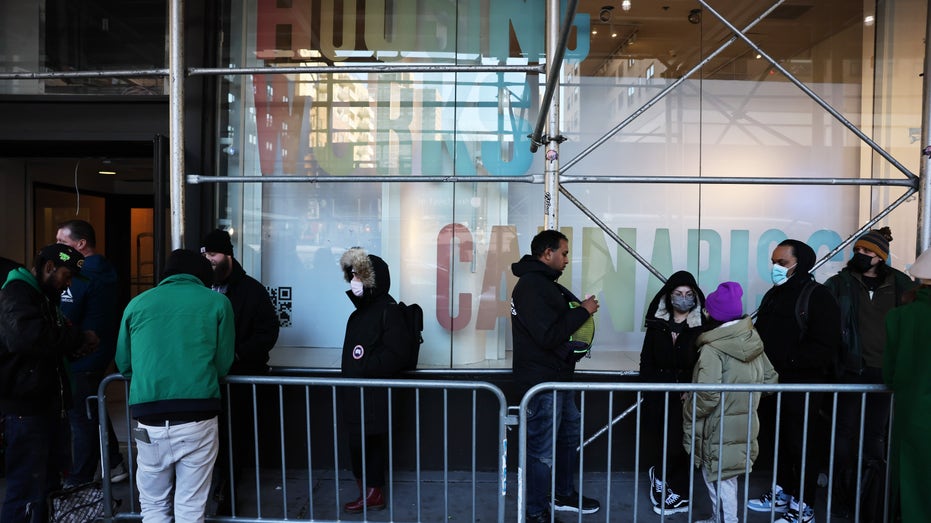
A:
(356, 287)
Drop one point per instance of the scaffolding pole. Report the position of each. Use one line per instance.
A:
(556, 44)
(564, 179)
(924, 196)
(220, 71)
(176, 123)
(662, 94)
(811, 94)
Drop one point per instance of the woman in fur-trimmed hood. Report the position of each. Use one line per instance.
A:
(374, 347)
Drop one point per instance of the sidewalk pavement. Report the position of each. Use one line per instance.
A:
(451, 498)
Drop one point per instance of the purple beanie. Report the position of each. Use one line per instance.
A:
(725, 304)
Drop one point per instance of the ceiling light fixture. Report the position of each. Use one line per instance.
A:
(695, 16)
(625, 5)
(605, 14)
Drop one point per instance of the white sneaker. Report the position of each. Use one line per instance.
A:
(796, 514)
(765, 502)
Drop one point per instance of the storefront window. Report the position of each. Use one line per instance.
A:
(450, 244)
(61, 36)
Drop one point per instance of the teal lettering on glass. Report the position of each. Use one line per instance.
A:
(399, 163)
(616, 287)
(739, 270)
(826, 238)
(529, 25)
(401, 23)
(509, 154)
(438, 149)
(709, 276)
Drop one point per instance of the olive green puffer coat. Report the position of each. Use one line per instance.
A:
(731, 353)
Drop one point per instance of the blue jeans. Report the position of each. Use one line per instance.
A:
(540, 452)
(85, 433)
(35, 454)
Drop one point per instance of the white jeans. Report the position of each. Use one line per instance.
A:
(728, 498)
(179, 456)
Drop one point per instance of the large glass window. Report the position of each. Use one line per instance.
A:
(633, 103)
(49, 36)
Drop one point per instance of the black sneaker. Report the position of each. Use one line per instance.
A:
(674, 504)
(571, 504)
(656, 488)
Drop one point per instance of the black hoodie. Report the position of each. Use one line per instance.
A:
(797, 359)
(661, 359)
(541, 324)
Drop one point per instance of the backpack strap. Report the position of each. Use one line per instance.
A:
(801, 307)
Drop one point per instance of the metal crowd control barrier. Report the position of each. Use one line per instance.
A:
(307, 479)
(823, 400)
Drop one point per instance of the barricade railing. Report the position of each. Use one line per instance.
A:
(296, 467)
(840, 440)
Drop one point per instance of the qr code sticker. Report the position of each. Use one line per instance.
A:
(281, 300)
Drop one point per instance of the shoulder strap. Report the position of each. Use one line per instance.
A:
(801, 307)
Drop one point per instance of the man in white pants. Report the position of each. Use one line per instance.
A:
(176, 341)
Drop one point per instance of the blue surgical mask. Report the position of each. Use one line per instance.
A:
(780, 274)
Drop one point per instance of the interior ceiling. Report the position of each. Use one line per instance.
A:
(661, 30)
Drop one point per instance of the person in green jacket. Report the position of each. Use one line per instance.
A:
(176, 342)
(906, 367)
(731, 352)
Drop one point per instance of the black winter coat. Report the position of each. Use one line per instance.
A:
(797, 359)
(541, 324)
(35, 339)
(375, 346)
(661, 359)
(256, 322)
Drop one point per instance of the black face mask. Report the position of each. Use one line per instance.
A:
(860, 262)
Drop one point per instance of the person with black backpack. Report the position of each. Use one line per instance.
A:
(377, 345)
(801, 352)
(866, 289)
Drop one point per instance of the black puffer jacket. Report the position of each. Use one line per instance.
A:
(35, 339)
(376, 341)
(256, 322)
(663, 360)
(798, 359)
(541, 323)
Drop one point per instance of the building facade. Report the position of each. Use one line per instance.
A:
(424, 151)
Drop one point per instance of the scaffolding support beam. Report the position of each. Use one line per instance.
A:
(408, 68)
(176, 122)
(564, 179)
(924, 196)
(865, 227)
(811, 94)
(221, 71)
(554, 57)
(613, 235)
(662, 94)
(137, 73)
